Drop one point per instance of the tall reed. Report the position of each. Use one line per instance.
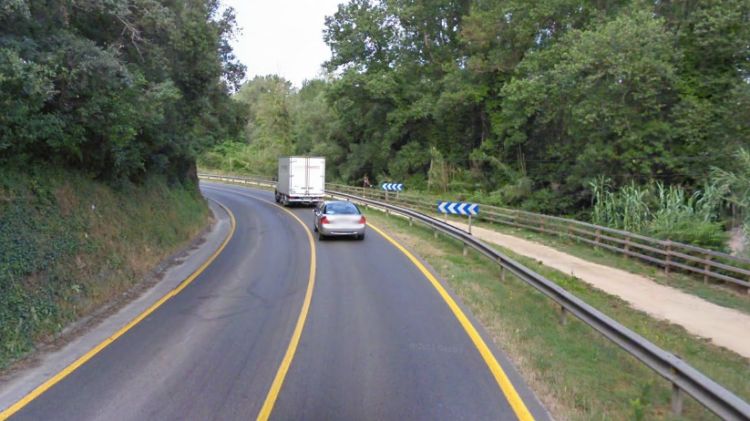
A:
(668, 212)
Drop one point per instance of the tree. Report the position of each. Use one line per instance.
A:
(597, 103)
(117, 88)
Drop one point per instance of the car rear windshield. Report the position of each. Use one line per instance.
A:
(343, 208)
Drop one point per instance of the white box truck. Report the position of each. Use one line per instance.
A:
(302, 179)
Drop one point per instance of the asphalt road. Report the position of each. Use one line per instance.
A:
(379, 342)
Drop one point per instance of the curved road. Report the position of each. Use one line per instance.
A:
(379, 341)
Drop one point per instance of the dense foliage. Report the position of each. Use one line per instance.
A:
(117, 88)
(662, 211)
(526, 101)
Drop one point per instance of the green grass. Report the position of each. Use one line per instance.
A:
(69, 244)
(576, 372)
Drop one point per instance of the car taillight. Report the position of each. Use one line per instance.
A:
(362, 220)
(324, 220)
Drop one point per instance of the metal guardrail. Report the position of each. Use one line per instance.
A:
(683, 376)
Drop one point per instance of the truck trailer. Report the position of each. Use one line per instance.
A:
(302, 180)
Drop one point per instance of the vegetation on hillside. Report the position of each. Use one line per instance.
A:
(69, 244)
(518, 103)
(117, 88)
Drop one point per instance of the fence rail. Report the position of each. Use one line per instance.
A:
(683, 377)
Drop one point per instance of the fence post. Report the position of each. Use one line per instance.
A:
(627, 246)
(706, 268)
(598, 238)
(541, 223)
(669, 257)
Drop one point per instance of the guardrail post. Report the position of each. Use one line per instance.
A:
(563, 316)
(502, 273)
(541, 223)
(435, 231)
(469, 224)
(466, 250)
(411, 221)
(669, 257)
(677, 400)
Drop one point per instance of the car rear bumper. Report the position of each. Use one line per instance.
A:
(342, 230)
(307, 200)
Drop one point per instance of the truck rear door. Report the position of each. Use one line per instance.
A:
(316, 171)
(297, 176)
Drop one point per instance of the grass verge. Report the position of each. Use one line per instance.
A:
(577, 373)
(69, 244)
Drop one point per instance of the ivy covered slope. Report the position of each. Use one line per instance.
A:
(69, 244)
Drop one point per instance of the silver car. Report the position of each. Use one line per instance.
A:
(339, 218)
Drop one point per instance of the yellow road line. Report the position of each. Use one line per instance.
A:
(39, 390)
(286, 362)
(515, 401)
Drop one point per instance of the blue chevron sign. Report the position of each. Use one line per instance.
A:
(392, 186)
(458, 208)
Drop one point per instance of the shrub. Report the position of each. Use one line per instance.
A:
(666, 212)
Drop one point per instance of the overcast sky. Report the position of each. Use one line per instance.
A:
(284, 37)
